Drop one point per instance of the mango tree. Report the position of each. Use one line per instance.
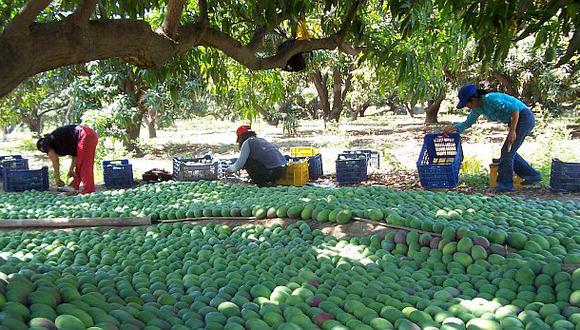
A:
(40, 35)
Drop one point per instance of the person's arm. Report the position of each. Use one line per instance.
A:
(244, 154)
(56, 167)
(471, 119)
(73, 163)
(513, 125)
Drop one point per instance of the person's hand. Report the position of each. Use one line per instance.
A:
(71, 173)
(449, 129)
(511, 138)
(59, 182)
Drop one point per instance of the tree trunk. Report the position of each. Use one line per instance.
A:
(337, 101)
(408, 109)
(151, 123)
(151, 129)
(360, 110)
(320, 84)
(271, 120)
(433, 107)
(507, 82)
(133, 130)
(33, 120)
(339, 92)
(133, 124)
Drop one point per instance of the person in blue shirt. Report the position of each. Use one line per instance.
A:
(260, 158)
(520, 120)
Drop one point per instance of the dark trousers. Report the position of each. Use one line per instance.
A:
(511, 161)
(260, 175)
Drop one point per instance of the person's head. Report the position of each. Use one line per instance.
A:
(243, 133)
(43, 144)
(470, 96)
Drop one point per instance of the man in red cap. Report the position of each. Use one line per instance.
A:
(260, 158)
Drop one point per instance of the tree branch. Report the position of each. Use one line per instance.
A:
(549, 11)
(351, 49)
(573, 48)
(245, 55)
(26, 16)
(51, 45)
(261, 31)
(84, 12)
(347, 83)
(53, 109)
(320, 84)
(347, 20)
(257, 38)
(171, 20)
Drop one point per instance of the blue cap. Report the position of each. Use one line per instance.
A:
(465, 93)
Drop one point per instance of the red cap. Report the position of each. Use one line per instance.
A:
(243, 130)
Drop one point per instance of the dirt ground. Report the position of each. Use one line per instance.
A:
(398, 138)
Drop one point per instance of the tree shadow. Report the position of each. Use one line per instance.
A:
(211, 275)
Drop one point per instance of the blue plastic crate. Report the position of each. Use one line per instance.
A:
(565, 176)
(15, 162)
(439, 161)
(118, 173)
(373, 156)
(18, 180)
(194, 169)
(350, 169)
(315, 170)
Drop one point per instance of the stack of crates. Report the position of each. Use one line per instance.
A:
(296, 174)
(373, 156)
(194, 169)
(439, 161)
(351, 169)
(118, 173)
(14, 162)
(18, 180)
(493, 170)
(565, 176)
(314, 158)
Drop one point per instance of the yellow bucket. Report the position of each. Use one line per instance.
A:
(493, 177)
(296, 174)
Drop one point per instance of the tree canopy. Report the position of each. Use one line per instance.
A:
(40, 35)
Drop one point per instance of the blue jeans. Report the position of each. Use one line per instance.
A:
(511, 160)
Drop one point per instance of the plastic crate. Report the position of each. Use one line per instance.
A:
(303, 151)
(17, 180)
(15, 162)
(296, 174)
(118, 173)
(493, 177)
(350, 169)
(565, 176)
(194, 169)
(222, 165)
(357, 156)
(439, 161)
(315, 170)
(373, 156)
